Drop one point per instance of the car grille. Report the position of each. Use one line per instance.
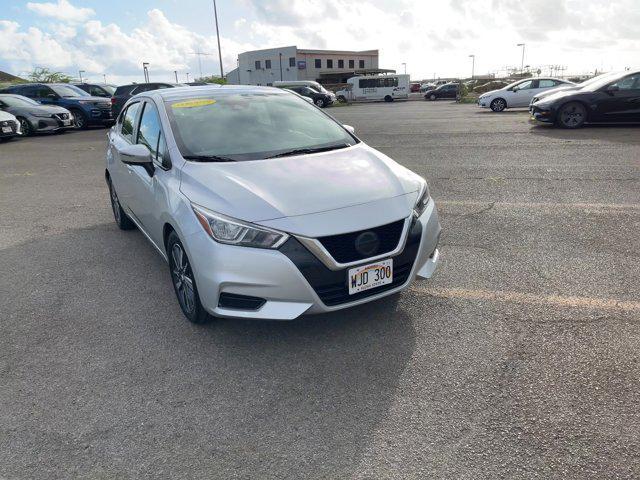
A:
(332, 287)
(343, 247)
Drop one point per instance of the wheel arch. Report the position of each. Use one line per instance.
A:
(506, 103)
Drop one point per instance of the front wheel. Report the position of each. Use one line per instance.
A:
(342, 99)
(25, 126)
(80, 120)
(572, 115)
(498, 105)
(184, 282)
(388, 98)
(319, 103)
(433, 97)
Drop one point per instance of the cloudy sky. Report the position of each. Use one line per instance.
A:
(433, 37)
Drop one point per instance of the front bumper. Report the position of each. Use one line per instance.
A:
(539, 115)
(292, 281)
(483, 103)
(9, 128)
(101, 116)
(55, 123)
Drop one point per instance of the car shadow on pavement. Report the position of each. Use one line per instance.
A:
(628, 134)
(103, 376)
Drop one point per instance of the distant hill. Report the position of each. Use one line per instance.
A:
(7, 77)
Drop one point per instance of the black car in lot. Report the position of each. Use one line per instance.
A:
(125, 92)
(97, 90)
(320, 99)
(613, 99)
(34, 117)
(86, 110)
(448, 90)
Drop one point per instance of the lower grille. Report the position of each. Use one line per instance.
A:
(235, 301)
(331, 286)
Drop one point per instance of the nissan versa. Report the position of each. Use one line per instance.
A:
(263, 205)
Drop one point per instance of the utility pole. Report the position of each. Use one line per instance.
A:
(280, 65)
(473, 65)
(175, 72)
(187, 77)
(80, 72)
(104, 75)
(215, 14)
(199, 54)
(405, 68)
(522, 64)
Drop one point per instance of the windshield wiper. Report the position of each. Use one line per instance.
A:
(208, 158)
(302, 151)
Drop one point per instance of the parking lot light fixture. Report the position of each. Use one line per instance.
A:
(145, 70)
(473, 65)
(80, 72)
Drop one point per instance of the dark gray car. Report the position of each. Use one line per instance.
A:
(35, 117)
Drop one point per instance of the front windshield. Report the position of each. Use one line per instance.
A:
(599, 81)
(18, 101)
(251, 126)
(69, 91)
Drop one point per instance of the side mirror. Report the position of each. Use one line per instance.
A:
(136, 154)
(350, 129)
(613, 88)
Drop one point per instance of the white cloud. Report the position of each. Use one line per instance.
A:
(63, 10)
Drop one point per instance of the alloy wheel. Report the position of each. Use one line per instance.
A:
(25, 126)
(182, 278)
(572, 115)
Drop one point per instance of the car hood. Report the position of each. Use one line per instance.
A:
(553, 91)
(492, 92)
(41, 109)
(263, 190)
(6, 116)
(558, 95)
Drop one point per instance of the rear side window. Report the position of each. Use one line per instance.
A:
(129, 120)
(124, 90)
(547, 83)
(149, 131)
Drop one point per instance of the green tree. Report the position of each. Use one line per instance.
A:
(212, 79)
(44, 75)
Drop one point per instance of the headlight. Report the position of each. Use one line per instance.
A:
(38, 114)
(423, 200)
(235, 232)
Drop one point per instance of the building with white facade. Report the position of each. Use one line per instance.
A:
(263, 67)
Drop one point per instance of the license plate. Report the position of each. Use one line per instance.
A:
(66, 122)
(7, 130)
(370, 276)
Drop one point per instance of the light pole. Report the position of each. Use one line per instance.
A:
(280, 66)
(145, 70)
(473, 65)
(187, 77)
(104, 75)
(175, 72)
(215, 14)
(522, 64)
(405, 68)
(80, 72)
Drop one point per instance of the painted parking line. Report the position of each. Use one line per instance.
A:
(548, 205)
(530, 298)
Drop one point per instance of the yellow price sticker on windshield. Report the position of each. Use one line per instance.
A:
(194, 103)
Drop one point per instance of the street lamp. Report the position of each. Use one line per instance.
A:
(104, 75)
(215, 14)
(473, 65)
(187, 77)
(80, 72)
(175, 72)
(522, 64)
(145, 70)
(405, 68)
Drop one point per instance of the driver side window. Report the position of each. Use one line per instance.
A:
(525, 85)
(128, 121)
(150, 134)
(631, 82)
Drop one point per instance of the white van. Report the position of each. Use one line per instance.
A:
(307, 83)
(373, 88)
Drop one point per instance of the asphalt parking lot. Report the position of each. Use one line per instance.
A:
(520, 359)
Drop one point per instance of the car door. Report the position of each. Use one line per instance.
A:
(452, 91)
(523, 93)
(46, 95)
(120, 136)
(149, 184)
(620, 100)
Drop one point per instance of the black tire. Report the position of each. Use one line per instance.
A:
(498, 105)
(121, 218)
(80, 119)
(571, 115)
(433, 97)
(342, 99)
(388, 98)
(184, 283)
(25, 126)
(319, 103)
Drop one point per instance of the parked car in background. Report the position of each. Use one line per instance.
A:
(519, 93)
(448, 90)
(432, 85)
(369, 88)
(97, 90)
(35, 117)
(236, 187)
(309, 83)
(86, 110)
(306, 99)
(546, 93)
(9, 126)
(125, 92)
(319, 99)
(610, 99)
(414, 87)
(489, 86)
